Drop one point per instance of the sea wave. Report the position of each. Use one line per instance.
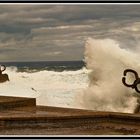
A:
(98, 86)
(48, 87)
(107, 61)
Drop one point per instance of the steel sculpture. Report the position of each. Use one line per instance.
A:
(135, 83)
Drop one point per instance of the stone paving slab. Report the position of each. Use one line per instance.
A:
(21, 116)
(9, 102)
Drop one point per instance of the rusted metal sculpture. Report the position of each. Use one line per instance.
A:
(134, 85)
(3, 77)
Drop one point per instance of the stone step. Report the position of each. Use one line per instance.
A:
(65, 121)
(21, 116)
(10, 102)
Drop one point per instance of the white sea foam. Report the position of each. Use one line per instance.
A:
(107, 62)
(99, 87)
(48, 87)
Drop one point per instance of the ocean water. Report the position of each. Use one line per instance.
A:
(95, 84)
(107, 62)
(58, 66)
(53, 83)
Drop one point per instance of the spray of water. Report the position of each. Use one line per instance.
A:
(48, 87)
(107, 61)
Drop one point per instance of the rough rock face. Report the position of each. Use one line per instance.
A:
(4, 78)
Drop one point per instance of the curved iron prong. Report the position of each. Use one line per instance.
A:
(132, 71)
(136, 88)
(127, 85)
(124, 79)
(136, 81)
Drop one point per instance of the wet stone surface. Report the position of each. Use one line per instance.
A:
(21, 116)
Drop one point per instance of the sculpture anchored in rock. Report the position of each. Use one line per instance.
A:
(3, 77)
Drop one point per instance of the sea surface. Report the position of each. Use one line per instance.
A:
(52, 83)
(95, 84)
(58, 66)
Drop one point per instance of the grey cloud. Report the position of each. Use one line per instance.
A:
(58, 32)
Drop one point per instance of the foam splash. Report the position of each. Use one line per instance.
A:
(104, 91)
(108, 61)
(48, 87)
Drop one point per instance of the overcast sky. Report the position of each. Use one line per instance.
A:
(58, 32)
